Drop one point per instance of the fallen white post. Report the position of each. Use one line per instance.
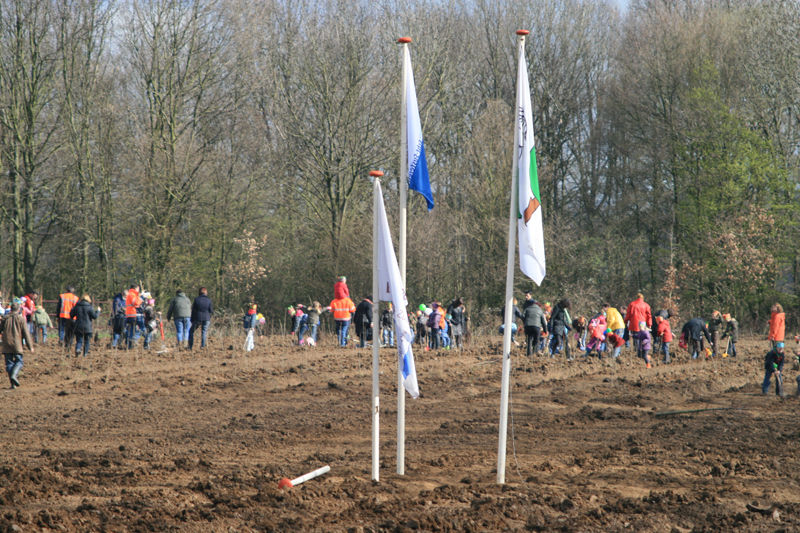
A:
(284, 483)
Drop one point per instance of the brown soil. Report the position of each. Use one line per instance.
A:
(135, 441)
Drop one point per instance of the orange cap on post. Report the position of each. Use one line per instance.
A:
(376, 173)
(404, 40)
(522, 32)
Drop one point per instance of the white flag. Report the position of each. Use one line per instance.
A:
(531, 233)
(391, 290)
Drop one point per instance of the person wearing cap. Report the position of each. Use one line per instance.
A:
(15, 337)
(83, 314)
(732, 331)
(773, 365)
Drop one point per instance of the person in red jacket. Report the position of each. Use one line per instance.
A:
(638, 311)
(30, 309)
(340, 289)
(664, 334)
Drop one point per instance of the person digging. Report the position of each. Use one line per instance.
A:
(15, 331)
(773, 365)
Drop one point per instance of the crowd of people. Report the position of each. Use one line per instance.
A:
(547, 328)
(435, 327)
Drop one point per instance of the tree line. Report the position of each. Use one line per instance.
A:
(227, 144)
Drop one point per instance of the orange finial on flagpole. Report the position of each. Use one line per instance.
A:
(404, 40)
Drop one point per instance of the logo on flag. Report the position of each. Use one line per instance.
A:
(418, 178)
(391, 290)
(531, 231)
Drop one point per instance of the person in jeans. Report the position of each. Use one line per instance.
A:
(41, 321)
(201, 317)
(15, 331)
(387, 326)
(342, 309)
(732, 331)
(180, 311)
(314, 313)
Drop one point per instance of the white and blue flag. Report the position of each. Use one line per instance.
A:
(391, 290)
(418, 178)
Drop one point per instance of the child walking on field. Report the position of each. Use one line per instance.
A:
(41, 321)
(645, 342)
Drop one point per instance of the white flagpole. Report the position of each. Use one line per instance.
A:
(401, 392)
(376, 174)
(512, 228)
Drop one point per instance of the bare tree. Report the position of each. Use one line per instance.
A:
(29, 122)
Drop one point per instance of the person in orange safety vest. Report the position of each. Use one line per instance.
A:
(342, 308)
(66, 302)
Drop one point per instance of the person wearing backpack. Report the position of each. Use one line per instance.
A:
(434, 326)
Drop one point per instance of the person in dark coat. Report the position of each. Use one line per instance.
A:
(693, 332)
(83, 315)
(559, 326)
(387, 326)
(732, 331)
(534, 323)
(434, 326)
(201, 317)
(362, 319)
(773, 365)
(459, 320)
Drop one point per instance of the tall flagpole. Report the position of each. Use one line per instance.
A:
(376, 174)
(512, 229)
(401, 393)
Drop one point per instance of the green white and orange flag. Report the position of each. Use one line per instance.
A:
(531, 233)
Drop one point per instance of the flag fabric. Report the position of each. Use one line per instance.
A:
(391, 290)
(418, 178)
(531, 233)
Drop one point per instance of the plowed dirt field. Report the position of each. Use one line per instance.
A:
(197, 441)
